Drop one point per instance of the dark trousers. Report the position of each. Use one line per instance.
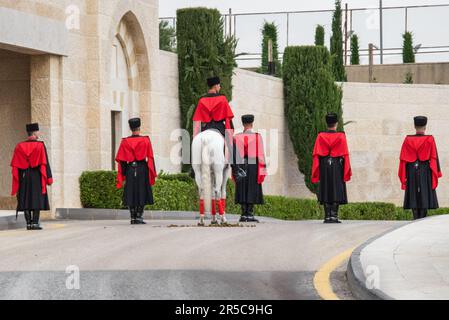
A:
(32, 216)
(419, 213)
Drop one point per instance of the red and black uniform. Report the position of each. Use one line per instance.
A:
(419, 171)
(249, 157)
(332, 169)
(136, 169)
(213, 112)
(31, 174)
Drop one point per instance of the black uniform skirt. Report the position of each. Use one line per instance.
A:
(29, 196)
(137, 191)
(418, 191)
(332, 187)
(247, 190)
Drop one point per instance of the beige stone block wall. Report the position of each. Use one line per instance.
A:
(383, 115)
(15, 112)
(422, 73)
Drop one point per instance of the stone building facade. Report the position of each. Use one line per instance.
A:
(80, 68)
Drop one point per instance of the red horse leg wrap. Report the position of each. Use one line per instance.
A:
(221, 207)
(214, 209)
(201, 206)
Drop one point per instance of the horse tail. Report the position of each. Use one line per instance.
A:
(206, 174)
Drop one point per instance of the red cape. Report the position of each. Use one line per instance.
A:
(135, 149)
(251, 145)
(29, 154)
(422, 148)
(334, 145)
(213, 107)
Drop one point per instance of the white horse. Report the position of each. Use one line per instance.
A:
(211, 173)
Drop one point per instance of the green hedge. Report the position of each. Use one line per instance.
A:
(310, 93)
(178, 192)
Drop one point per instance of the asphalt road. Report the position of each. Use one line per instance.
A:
(271, 260)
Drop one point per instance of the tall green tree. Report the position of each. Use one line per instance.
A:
(336, 47)
(319, 35)
(167, 36)
(310, 93)
(355, 57)
(270, 31)
(203, 51)
(408, 53)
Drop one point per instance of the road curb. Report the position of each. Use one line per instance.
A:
(116, 214)
(356, 275)
(10, 222)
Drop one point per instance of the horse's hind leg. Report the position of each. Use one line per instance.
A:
(197, 169)
(218, 172)
(226, 176)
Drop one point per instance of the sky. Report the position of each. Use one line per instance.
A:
(430, 26)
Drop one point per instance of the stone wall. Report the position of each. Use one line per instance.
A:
(15, 111)
(422, 73)
(383, 115)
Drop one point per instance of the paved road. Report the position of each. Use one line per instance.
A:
(273, 260)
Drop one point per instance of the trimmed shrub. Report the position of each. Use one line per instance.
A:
(167, 37)
(355, 57)
(408, 53)
(97, 190)
(310, 93)
(319, 35)
(178, 192)
(336, 47)
(270, 31)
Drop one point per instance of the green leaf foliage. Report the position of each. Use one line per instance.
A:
(336, 47)
(309, 93)
(319, 35)
(270, 31)
(355, 57)
(408, 53)
(167, 37)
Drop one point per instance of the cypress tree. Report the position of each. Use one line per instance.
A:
(408, 54)
(355, 58)
(203, 51)
(270, 31)
(319, 35)
(310, 93)
(336, 48)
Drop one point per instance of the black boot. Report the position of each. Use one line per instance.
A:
(139, 219)
(334, 214)
(244, 216)
(36, 215)
(422, 213)
(327, 213)
(251, 214)
(28, 220)
(416, 214)
(132, 211)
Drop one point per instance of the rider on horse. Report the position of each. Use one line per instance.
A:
(213, 112)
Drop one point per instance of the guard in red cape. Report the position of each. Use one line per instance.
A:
(331, 168)
(249, 169)
(31, 174)
(137, 170)
(419, 170)
(214, 112)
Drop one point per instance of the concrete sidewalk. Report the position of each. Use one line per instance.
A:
(408, 263)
